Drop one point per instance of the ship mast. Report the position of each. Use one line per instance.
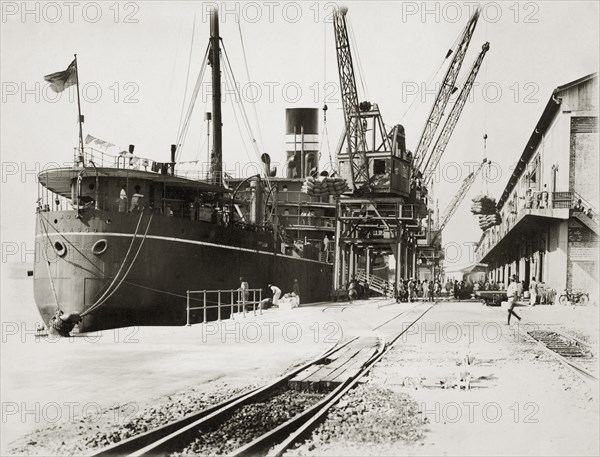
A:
(215, 62)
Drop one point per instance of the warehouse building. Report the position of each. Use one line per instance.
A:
(549, 212)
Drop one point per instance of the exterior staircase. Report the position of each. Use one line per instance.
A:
(381, 286)
(586, 220)
(589, 217)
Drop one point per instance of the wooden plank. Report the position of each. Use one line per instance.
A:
(342, 364)
(313, 381)
(350, 369)
(296, 381)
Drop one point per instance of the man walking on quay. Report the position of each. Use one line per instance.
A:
(512, 293)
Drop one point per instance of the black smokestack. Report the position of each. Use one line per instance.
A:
(173, 152)
(131, 148)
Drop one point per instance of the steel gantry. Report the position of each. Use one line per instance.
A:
(374, 226)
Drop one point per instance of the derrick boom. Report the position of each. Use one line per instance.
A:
(446, 90)
(355, 130)
(451, 121)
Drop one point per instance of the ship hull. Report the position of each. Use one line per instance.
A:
(154, 269)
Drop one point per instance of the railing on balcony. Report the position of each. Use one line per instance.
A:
(294, 196)
(559, 200)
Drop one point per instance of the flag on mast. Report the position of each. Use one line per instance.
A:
(60, 80)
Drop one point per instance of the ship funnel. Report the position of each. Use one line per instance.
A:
(131, 148)
(266, 163)
(302, 142)
(173, 151)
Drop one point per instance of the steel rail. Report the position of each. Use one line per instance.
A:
(168, 438)
(574, 367)
(149, 441)
(338, 394)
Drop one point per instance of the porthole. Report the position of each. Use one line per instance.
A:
(91, 186)
(60, 248)
(99, 247)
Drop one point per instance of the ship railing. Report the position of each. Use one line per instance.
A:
(307, 220)
(127, 161)
(290, 196)
(233, 300)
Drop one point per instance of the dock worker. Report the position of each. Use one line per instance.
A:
(512, 293)
(352, 292)
(411, 290)
(244, 290)
(326, 244)
(276, 293)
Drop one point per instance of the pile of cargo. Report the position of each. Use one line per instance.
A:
(489, 220)
(484, 205)
(485, 208)
(324, 186)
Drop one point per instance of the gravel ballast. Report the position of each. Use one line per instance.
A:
(370, 419)
(84, 434)
(250, 422)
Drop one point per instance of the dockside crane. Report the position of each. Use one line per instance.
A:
(355, 129)
(446, 90)
(430, 165)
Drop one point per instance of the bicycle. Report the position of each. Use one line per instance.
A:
(580, 298)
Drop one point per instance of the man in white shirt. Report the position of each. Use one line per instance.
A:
(276, 293)
(512, 293)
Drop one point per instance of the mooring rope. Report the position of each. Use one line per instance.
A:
(108, 292)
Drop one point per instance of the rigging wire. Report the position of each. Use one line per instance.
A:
(361, 76)
(260, 137)
(184, 129)
(243, 112)
(434, 73)
(235, 115)
(324, 133)
(187, 79)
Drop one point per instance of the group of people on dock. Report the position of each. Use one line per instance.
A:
(409, 290)
(276, 291)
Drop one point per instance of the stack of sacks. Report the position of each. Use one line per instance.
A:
(324, 186)
(488, 221)
(483, 205)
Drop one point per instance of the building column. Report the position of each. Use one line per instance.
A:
(414, 263)
(398, 255)
(337, 259)
(344, 261)
(368, 261)
(405, 275)
(351, 264)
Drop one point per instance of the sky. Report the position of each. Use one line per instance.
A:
(138, 62)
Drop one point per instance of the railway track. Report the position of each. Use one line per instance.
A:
(288, 414)
(570, 351)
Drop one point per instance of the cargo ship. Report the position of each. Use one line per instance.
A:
(120, 239)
